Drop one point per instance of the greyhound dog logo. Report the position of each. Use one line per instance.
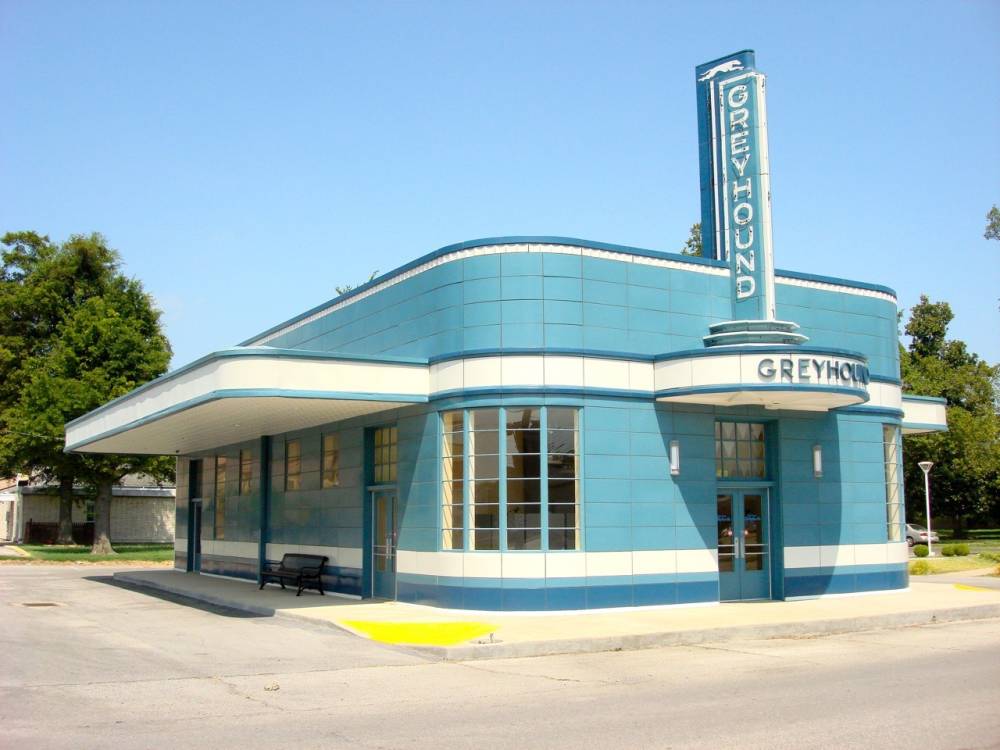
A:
(726, 67)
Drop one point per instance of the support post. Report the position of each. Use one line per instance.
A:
(265, 504)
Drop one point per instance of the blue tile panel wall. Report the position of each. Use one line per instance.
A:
(630, 500)
(565, 594)
(549, 300)
(850, 580)
(848, 504)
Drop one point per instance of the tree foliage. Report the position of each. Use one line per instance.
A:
(692, 245)
(966, 475)
(992, 224)
(75, 333)
(342, 290)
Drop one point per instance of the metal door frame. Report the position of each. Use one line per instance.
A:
(738, 490)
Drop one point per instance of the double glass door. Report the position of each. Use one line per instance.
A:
(744, 544)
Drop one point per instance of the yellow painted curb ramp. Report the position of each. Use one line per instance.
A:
(420, 633)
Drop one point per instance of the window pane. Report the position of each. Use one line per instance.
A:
(451, 468)
(519, 418)
(524, 465)
(521, 539)
(484, 467)
(486, 539)
(728, 431)
(561, 466)
(562, 491)
(487, 491)
(523, 515)
(524, 490)
(562, 419)
(485, 419)
(562, 441)
(561, 516)
(487, 517)
(453, 444)
(523, 441)
(563, 539)
(484, 442)
(452, 421)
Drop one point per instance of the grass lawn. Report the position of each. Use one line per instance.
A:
(152, 553)
(979, 540)
(957, 564)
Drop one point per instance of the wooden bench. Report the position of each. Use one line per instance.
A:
(298, 568)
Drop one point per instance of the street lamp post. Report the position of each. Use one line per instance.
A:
(925, 466)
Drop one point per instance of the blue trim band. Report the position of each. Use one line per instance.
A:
(871, 411)
(930, 399)
(716, 351)
(885, 379)
(925, 426)
(779, 272)
(515, 390)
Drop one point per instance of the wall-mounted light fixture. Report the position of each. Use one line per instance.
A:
(817, 461)
(675, 458)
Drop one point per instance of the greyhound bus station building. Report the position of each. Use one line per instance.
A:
(546, 423)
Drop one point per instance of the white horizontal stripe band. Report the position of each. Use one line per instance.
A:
(543, 565)
(842, 555)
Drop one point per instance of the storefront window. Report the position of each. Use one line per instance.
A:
(386, 454)
(220, 497)
(246, 472)
(739, 450)
(330, 449)
(523, 491)
(293, 465)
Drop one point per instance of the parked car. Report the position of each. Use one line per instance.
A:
(918, 535)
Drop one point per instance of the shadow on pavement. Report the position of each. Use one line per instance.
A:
(176, 598)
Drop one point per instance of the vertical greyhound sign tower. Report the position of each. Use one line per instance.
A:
(736, 197)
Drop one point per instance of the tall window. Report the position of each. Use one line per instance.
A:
(484, 469)
(386, 454)
(524, 478)
(293, 465)
(739, 450)
(246, 472)
(452, 484)
(563, 478)
(523, 490)
(331, 461)
(893, 495)
(220, 497)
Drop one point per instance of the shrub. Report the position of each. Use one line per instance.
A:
(948, 550)
(920, 568)
(991, 556)
(961, 550)
(920, 550)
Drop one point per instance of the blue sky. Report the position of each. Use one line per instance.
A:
(246, 158)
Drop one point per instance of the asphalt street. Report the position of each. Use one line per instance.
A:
(111, 667)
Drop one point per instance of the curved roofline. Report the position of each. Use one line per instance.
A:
(549, 240)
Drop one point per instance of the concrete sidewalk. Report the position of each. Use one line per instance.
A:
(463, 635)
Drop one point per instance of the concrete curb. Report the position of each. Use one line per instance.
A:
(502, 650)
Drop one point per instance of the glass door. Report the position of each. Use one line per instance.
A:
(744, 544)
(384, 533)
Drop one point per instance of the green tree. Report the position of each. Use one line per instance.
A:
(992, 224)
(103, 340)
(692, 245)
(341, 290)
(966, 474)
